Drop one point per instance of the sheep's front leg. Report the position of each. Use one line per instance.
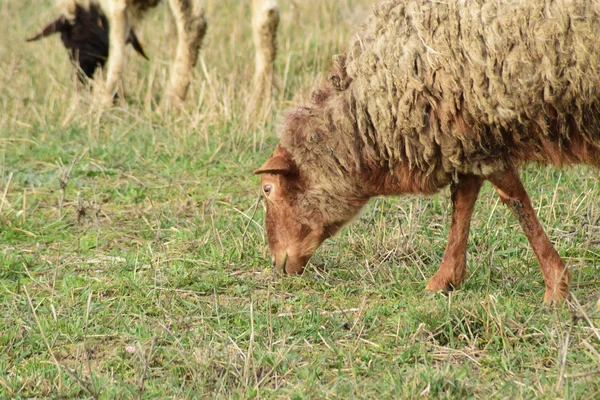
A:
(191, 28)
(452, 270)
(513, 194)
(118, 30)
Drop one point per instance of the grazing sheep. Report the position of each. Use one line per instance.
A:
(93, 29)
(86, 38)
(432, 94)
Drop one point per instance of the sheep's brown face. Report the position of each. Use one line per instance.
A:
(86, 38)
(294, 230)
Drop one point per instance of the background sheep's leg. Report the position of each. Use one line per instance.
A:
(171, 32)
(556, 275)
(452, 270)
(265, 20)
(119, 27)
(191, 28)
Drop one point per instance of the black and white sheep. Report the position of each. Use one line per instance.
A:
(93, 29)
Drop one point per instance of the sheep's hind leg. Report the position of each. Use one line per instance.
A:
(191, 28)
(452, 270)
(556, 275)
(265, 20)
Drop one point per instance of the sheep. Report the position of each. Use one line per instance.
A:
(431, 94)
(93, 29)
(86, 38)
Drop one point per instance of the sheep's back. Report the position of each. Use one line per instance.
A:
(455, 84)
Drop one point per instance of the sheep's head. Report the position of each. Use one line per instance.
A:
(85, 35)
(292, 236)
(299, 216)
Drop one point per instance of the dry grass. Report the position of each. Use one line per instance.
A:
(133, 259)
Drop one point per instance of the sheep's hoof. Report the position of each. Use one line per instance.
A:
(445, 281)
(436, 284)
(108, 100)
(172, 104)
(557, 294)
(554, 298)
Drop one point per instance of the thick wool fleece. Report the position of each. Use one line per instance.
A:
(457, 87)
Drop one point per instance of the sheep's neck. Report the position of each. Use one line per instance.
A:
(401, 179)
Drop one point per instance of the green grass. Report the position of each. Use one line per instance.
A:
(133, 259)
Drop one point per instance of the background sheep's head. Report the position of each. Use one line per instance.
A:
(85, 35)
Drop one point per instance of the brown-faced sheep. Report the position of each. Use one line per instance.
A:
(432, 94)
(93, 29)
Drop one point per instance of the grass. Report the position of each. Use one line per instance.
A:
(133, 258)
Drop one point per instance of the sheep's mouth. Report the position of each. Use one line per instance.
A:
(284, 262)
(292, 265)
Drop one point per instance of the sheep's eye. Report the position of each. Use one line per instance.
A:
(267, 189)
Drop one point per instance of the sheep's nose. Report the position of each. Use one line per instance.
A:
(273, 262)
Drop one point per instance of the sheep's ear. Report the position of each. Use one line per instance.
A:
(136, 44)
(275, 165)
(280, 162)
(57, 25)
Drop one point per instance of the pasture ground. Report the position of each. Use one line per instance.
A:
(133, 257)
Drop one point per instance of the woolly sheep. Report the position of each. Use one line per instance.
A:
(93, 29)
(431, 94)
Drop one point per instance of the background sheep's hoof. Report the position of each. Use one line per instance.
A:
(172, 104)
(109, 100)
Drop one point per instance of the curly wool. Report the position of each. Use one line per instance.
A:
(459, 87)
